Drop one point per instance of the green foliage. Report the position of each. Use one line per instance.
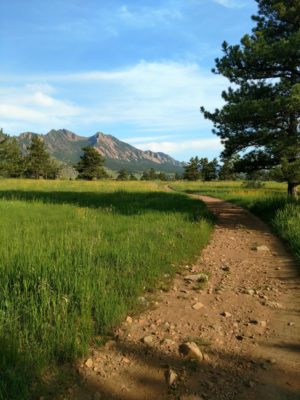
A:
(201, 169)
(191, 170)
(262, 110)
(38, 163)
(11, 161)
(123, 175)
(90, 166)
(74, 257)
(253, 184)
(149, 175)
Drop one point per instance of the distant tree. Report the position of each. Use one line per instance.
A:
(90, 166)
(208, 169)
(123, 175)
(11, 160)
(177, 176)
(149, 175)
(191, 170)
(262, 108)
(227, 170)
(38, 162)
(152, 174)
(162, 176)
(132, 177)
(145, 176)
(53, 169)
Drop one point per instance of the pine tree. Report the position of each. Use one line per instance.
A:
(123, 175)
(11, 160)
(90, 166)
(208, 169)
(191, 170)
(37, 161)
(262, 110)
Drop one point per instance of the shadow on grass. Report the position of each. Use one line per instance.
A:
(120, 202)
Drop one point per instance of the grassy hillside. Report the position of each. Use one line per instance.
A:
(74, 257)
(270, 203)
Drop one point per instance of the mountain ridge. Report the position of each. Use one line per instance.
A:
(66, 146)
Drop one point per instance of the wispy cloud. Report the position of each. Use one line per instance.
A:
(232, 3)
(153, 97)
(177, 147)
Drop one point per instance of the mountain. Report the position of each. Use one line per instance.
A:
(66, 146)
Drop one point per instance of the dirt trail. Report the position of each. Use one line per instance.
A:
(253, 352)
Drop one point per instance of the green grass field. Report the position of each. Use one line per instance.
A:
(269, 202)
(74, 257)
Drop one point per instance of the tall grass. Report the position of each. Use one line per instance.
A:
(74, 257)
(270, 203)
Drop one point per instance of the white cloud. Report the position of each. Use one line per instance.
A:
(149, 97)
(141, 17)
(31, 105)
(231, 3)
(211, 144)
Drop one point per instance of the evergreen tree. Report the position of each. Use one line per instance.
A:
(191, 170)
(162, 176)
(90, 166)
(37, 161)
(11, 160)
(123, 175)
(227, 170)
(145, 176)
(208, 169)
(132, 177)
(149, 175)
(262, 110)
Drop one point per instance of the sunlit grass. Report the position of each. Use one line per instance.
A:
(74, 257)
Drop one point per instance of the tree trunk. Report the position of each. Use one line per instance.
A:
(292, 190)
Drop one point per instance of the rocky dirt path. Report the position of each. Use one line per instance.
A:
(245, 320)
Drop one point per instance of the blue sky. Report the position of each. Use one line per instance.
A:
(138, 70)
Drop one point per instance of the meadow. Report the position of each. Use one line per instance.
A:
(269, 202)
(75, 257)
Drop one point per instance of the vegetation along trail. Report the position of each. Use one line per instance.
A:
(245, 320)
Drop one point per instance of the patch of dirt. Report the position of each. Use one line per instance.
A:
(245, 319)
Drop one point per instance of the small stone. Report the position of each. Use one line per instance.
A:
(126, 360)
(197, 306)
(239, 337)
(225, 268)
(261, 248)
(171, 377)
(97, 396)
(226, 314)
(191, 351)
(168, 342)
(110, 344)
(263, 323)
(291, 323)
(254, 321)
(147, 339)
(89, 363)
(250, 384)
(129, 320)
(206, 357)
(251, 292)
(197, 278)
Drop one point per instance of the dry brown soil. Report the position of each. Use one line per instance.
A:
(252, 353)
